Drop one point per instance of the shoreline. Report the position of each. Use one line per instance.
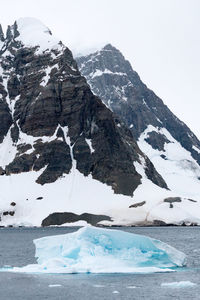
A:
(102, 226)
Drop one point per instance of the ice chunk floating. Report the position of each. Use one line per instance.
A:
(97, 250)
(179, 284)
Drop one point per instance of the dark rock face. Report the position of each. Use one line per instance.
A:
(68, 217)
(159, 223)
(1, 34)
(6, 213)
(137, 204)
(172, 199)
(20, 164)
(2, 171)
(15, 135)
(56, 156)
(157, 140)
(192, 200)
(51, 112)
(112, 78)
(153, 175)
(6, 119)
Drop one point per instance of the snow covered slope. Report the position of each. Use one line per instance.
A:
(175, 163)
(33, 32)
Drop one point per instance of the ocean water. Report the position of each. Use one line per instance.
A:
(17, 249)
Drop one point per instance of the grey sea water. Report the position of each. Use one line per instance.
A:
(17, 249)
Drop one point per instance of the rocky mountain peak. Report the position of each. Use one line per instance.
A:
(31, 32)
(108, 59)
(109, 47)
(12, 32)
(112, 78)
(30, 28)
(169, 143)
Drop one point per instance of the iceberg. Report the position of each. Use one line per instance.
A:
(99, 250)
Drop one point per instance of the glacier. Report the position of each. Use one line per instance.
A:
(99, 250)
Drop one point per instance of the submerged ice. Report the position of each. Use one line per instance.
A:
(97, 250)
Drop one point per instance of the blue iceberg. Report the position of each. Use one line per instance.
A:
(98, 250)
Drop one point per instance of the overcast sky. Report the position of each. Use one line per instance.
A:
(161, 39)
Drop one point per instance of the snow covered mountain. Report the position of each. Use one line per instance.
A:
(61, 149)
(167, 141)
(64, 156)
